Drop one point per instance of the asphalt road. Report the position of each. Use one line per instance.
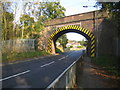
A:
(38, 73)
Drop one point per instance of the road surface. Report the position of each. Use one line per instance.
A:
(38, 73)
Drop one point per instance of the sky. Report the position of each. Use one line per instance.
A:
(76, 7)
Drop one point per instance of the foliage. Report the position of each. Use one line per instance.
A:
(113, 11)
(52, 10)
(109, 63)
(31, 21)
(71, 47)
(30, 24)
(26, 26)
(11, 57)
(58, 50)
(79, 46)
(83, 43)
(63, 40)
(7, 26)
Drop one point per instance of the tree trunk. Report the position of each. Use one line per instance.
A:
(5, 27)
(23, 30)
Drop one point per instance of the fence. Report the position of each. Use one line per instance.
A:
(18, 45)
(67, 79)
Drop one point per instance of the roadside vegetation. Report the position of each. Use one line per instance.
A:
(62, 42)
(108, 63)
(28, 25)
(59, 50)
(77, 45)
(113, 12)
(30, 22)
(11, 57)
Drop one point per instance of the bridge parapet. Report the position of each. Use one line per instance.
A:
(94, 22)
(88, 21)
(77, 18)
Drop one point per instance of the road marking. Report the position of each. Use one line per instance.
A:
(14, 75)
(61, 58)
(67, 55)
(47, 64)
(63, 73)
(70, 54)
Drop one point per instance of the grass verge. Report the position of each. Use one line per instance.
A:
(58, 50)
(11, 57)
(109, 63)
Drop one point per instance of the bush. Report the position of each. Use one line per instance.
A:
(19, 56)
(79, 46)
(71, 47)
(109, 63)
(58, 50)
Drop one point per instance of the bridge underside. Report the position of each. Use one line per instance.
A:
(72, 28)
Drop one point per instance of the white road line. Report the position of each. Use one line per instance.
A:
(70, 53)
(58, 78)
(61, 58)
(14, 75)
(47, 64)
(67, 55)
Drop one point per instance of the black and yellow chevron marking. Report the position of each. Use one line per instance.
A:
(87, 32)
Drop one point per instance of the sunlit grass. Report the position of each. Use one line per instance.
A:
(10, 57)
(58, 50)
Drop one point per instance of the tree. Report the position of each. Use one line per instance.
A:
(41, 12)
(83, 43)
(7, 22)
(37, 27)
(31, 19)
(26, 26)
(113, 10)
(52, 10)
(33, 9)
(63, 40)
(7, 26)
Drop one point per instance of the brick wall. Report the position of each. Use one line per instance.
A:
(106, 38)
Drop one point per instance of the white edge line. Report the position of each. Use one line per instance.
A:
(15, 75)
(47, 64)
(61, 75)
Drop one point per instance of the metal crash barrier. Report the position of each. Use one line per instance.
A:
(67, 79)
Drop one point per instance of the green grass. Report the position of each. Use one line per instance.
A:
(10, 57)
(108, 63)
(58, 50)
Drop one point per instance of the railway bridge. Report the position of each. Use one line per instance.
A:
(88, 24)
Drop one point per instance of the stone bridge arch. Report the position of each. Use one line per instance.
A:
(72, 28)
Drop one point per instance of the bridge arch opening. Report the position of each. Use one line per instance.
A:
(72, 28)
(70, 41)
